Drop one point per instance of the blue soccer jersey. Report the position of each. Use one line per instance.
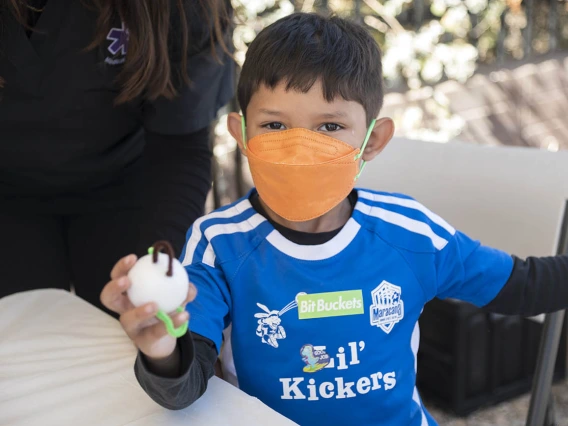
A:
(328, 334)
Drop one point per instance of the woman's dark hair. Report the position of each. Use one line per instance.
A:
(303, 48)
(147, 71)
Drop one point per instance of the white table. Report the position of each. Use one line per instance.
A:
(64, 362)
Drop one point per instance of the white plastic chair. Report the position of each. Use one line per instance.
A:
(513, 199)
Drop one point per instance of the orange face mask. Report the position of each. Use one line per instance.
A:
(302, 174)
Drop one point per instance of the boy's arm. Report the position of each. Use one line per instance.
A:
(469, 271)
(536, 285)
(498, 282)
(179, 380)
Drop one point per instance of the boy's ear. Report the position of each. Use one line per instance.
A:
(234, 124)
(380, 137)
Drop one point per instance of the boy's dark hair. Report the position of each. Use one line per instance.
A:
(302, 48)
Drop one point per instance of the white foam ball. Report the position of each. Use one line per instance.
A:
(149, 283)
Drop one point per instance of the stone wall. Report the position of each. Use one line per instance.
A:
(523, 104)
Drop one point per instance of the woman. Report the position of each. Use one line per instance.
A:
(104, 114)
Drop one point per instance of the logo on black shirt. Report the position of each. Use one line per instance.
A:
(119, 45)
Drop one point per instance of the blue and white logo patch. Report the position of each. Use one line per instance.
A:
(387, 308)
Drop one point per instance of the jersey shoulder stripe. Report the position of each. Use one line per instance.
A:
(230, 246)
(232, 213)
(404, 222)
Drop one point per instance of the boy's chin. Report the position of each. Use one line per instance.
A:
(335, 218)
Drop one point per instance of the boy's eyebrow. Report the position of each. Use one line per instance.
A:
(334, 114)
(270, 111)
(327, 115)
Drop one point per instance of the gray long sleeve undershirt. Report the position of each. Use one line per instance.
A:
(197, 365)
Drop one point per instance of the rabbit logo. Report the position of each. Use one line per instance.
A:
(269, 327)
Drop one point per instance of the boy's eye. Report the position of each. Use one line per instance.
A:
(275, 126)
(330, 127)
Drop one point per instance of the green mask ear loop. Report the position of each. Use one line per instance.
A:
(358, 156)
(244, 131)
(167, 320)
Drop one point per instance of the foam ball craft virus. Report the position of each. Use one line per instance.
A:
(159, 278)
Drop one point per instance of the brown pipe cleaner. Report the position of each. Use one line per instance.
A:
(164, 245)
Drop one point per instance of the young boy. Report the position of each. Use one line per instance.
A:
(323, 284)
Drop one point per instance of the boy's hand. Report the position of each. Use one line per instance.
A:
(144, 329)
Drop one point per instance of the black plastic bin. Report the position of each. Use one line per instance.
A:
(469, 358)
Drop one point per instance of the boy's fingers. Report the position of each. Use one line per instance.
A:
(123, 266)
(180, 319)
(135, 319)
(191, 293)
(112, 296)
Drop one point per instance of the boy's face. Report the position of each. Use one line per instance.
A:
(276, 110)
